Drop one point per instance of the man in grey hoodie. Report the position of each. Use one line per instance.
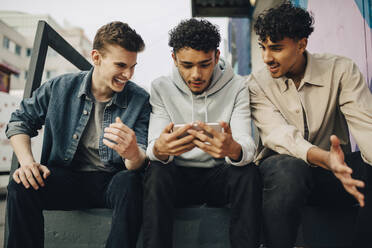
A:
(189, 166)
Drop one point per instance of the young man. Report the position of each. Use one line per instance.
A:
(95, 138)
(303, 105)
(191, 167)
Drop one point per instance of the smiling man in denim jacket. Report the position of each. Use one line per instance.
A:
(95, 138)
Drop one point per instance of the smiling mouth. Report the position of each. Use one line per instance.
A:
(119, 81)
(273, 68)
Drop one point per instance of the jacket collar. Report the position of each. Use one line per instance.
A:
(120, 99)
(312, 75)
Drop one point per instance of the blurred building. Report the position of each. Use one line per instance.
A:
(17, 33)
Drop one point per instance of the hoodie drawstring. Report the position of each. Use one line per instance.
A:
(205, 108)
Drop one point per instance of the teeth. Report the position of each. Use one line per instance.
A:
(120, 81)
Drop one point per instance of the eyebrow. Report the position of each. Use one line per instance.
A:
(123, 64)
(271, 46)
(200, 62)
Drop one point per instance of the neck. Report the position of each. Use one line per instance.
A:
(99, 90)
(298, 70)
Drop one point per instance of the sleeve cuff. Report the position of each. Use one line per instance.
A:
(152, 157)
(247, 155)
(303, 149)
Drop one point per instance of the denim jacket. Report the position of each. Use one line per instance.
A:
(63, 106)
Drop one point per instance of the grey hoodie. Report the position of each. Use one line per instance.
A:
(226, 99)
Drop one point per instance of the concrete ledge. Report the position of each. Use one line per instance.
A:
(199, 227)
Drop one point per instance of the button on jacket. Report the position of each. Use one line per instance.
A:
(334, 96)
(63, 106)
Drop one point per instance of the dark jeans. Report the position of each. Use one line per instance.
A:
(67, 190)
(169, 186)
(290, 184)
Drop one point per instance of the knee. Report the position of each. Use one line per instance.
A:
(247, 175)
(158, 182)
(16, 192)
(128, 181)
(157, 175)
(287, 176)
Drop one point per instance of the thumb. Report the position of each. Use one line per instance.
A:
(45, 170)
(335, 142)
(226, 127)
(168, 128)
(118, 120)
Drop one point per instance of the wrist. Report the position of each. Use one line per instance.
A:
(156, 153)
(236, 152)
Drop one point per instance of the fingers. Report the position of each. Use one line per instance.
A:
(30, 176)
(226, 127)
(168, 128)
(210, 149)
(111, 145)
(118, 138)
(342, 169)
(182, 149)
(179, 142)
(16, 176)
(208, 129)
(357, 195)
(45, 171)
(352, 182)
(118, 120)
(351, 186)
(36, 174)
(181, 131)
(120, 126)
(201, 136)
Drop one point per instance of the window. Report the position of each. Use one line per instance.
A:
(28, 52)
(6, 42)
(48, 74)
(26, 74)
(17, 49)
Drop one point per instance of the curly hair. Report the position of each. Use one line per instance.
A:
(283, 21)
(200, 35)
(118, 33)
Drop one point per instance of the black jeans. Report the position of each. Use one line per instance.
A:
(290, 184)
(68, 190)
(169, 186)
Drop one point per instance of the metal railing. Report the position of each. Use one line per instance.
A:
(45, 37)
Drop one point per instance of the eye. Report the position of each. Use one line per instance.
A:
(187, 66)
(205, 65)
(121, 65)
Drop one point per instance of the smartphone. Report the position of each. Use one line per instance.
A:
(216, 126)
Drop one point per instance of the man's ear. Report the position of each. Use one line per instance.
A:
(96, 57)
(174, 59)
(302, 44)
(217, 55)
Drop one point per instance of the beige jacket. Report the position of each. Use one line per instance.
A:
(334, 96)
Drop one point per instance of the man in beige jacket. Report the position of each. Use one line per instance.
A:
(304, 106)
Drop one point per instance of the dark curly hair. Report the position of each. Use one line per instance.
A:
(283, 21)
(200, 35)
(118, 33)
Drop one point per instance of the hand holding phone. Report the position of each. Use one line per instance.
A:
(168, 142)
(220, 145)
(214, 125)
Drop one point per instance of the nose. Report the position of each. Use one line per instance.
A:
(195, 73)
(127, 73)
(267, 57)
